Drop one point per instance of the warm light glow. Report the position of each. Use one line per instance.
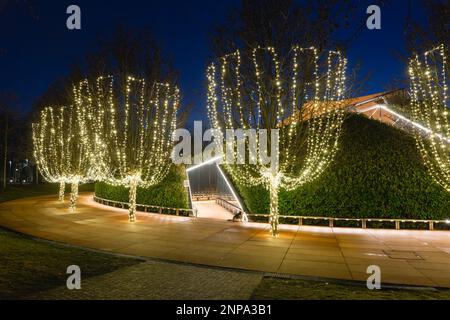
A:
(212, 160)
(269, 96)
(430, 107)
(98, 138)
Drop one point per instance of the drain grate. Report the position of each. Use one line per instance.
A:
(404, 255)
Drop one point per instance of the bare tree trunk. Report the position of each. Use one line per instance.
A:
(74, 195)
(132, 199)
(5, 160)
(273, 219)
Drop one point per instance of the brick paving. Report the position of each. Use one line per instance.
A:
(405, 257)
(159, 280)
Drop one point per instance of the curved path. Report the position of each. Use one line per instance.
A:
(405, 257)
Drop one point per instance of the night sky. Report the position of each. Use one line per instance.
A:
(36, 47)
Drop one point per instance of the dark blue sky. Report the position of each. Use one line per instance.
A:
(36, 47)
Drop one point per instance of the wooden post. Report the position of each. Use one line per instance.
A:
(431, 225)
(178, 212)
(330, 222)
(397, 225)
(363, 224)
(300, 221)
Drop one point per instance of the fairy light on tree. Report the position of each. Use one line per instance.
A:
(302, 98)
(48, 149)
(132, 133)
(61, 148)
(430, 107)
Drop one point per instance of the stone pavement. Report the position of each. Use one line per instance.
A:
(405, 257)
(158, 280)
(209, 209)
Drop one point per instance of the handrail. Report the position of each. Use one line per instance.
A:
(363, 221)
(228, 205)
(178, 211)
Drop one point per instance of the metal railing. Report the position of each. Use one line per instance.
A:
(228, 205)
(204, 196)
(362, 222)
(149, 208)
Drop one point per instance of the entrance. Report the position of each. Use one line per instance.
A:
(211, 192)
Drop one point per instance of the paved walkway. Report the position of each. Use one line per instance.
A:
(158, 280)
(209, 209)
(405, 257)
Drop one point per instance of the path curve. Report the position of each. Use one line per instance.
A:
(405, 257)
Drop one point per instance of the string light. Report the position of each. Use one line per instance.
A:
(276, 98)
(132, 133)
(60, 148)
(100, 139)
(429, 104)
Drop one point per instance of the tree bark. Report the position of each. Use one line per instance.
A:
(273, 219)
(74, 195)
(132, 200)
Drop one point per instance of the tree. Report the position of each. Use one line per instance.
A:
(61, 147)
(429, 76)
(8, 124)
(437, 30)
(301, 99)
(131, 132)
(274, 86)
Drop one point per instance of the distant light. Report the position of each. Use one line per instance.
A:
(447, 221)
(204, 163)
(415, 124)
(244, 216)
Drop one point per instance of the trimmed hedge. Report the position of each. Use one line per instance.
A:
(378, 173)
(169, 193)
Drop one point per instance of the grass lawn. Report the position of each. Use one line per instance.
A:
(29, 266)
(32, 190)
(297, 289)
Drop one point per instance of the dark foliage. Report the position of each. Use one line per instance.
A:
(169, 193)
(377, 173)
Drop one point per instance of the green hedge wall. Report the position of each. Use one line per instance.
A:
(169, 193)
(377, 173)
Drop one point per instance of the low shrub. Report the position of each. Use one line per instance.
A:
(378, 173)
(169, 193)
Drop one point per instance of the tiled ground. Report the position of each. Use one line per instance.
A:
(159, 280)
(405, 257)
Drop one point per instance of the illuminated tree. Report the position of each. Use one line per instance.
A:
(47, 149)
(61, 148)
(300, 98)
(430, 108)
(131, 133)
